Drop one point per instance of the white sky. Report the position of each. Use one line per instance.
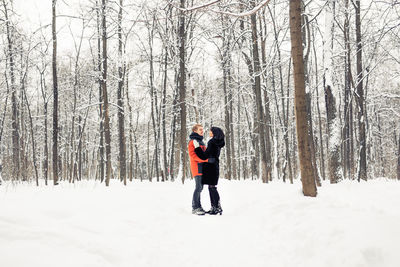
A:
(34, 13)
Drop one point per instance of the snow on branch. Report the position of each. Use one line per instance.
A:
(246, 13)
(243, 14)
(386, 95)
(195, 7)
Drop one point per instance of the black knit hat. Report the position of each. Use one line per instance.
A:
(217, 133)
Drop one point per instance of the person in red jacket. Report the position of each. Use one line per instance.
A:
(211, 168)
(196, 165)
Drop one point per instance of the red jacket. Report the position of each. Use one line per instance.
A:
(196, 164)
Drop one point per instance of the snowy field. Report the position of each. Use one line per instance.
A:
(150, 224)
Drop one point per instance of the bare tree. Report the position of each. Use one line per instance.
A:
(335, 170)
(362, 161)
(182, 90)
(14, 97)
(348, 103)
(398, 159)
(226, 59)
(55, 96)
(105, 111)
(307, 178)
(120, 101)
(31, 122)
(252, 93)
(99, 68)
(258, 97)
(282, 115)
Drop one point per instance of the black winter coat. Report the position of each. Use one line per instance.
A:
(211, 168)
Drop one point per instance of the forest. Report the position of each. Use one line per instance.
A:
(109, 89)
(102, 159)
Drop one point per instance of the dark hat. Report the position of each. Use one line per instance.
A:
(217, 133)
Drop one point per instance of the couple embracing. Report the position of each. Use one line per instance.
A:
(204, 164)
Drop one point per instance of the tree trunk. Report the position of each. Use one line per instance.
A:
(148, 165)
(73, 166)
(334, 132)
(131, 169)
(226, 87)
(348, 103)
(79, 150)
(101, 126)
(321, 143)
(5, 108)
(311, 140)
(74, 152)
(379, 154)
(258, 99)
(227, 34)
(182, 90)
(239, 150)
(23, 135)
(120, 101)
(173, 135)
(283, 119)
(307, 48)
(335, 174)
(107, 133)
(31, 129)
(398, 160)
(153, 99)
(14, 99)
(267, 118)
(254, 138)
(55, 97)
(287, 140)
(46, 149)
(362, 162)
(308, 181)
(164, 107)
(227, 124)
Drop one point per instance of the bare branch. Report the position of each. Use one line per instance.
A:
(195, 7)
(246, 13)
(243, 14)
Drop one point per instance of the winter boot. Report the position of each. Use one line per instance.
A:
(215, 210)
(198, 211)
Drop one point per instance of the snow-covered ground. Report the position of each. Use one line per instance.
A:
(150, 224)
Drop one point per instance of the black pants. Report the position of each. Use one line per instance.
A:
(214, 196)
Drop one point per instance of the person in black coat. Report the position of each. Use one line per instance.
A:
(211, 168)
